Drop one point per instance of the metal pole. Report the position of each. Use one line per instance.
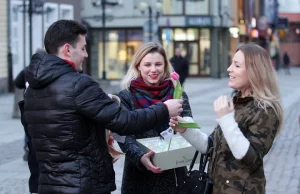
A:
(30, 28)
(10, 85)
(150, 23)
(103, 39)
(24, 33)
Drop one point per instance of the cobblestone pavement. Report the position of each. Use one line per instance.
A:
(282, 166)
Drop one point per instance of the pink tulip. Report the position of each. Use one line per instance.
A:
(175, 76)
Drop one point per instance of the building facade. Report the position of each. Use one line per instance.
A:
(199, 27)
(290, 35)
(3, 46)
(44, 14)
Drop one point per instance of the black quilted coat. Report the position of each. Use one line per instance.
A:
(67, 113)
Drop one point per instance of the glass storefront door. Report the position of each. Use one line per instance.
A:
(190, 50)
(195, 45)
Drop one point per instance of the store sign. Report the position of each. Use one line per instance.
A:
(282, 23)
(198, 21)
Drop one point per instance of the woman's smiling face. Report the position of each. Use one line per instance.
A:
(152, 68)
(238, 77)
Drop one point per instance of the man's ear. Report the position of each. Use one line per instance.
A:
(65, 49)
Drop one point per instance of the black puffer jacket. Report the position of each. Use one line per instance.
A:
(67, 113)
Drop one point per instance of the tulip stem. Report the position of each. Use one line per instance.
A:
(169, 144)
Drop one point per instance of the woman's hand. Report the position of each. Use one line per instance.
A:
(145, 160)
(222, 107)
(110, 141)
(174, 124)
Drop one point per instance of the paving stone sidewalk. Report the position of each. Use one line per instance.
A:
(282, 164)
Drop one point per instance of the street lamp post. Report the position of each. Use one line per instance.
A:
(143, 7)
(30, 28)
(102, 3)
(150, 22)
(103, 39)
(34, 7)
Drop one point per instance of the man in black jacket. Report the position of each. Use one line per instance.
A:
(66, 113)
(180, 65)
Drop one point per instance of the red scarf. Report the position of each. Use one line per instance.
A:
(70, 62)
(146, 95)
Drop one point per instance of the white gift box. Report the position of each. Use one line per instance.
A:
(180, 153)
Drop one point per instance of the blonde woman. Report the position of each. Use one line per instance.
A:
(247, 126)
(146, 82)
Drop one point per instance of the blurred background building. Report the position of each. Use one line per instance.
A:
(25, 40)
(198, 27)
(3, 47)
(207, 31)
(289, 33)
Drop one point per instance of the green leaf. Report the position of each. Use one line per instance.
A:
(177, 92)
(182, 88)
(188, 125)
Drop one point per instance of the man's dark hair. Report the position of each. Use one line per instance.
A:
(62, 32)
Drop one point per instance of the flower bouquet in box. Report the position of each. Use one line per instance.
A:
(177, 95)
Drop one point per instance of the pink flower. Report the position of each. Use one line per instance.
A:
(175, 76)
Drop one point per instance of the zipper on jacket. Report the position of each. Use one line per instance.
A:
(175, 177)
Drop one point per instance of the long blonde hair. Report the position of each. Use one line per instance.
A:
(133, 72)
(263, 79)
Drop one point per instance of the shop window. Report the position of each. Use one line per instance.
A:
(196, 7)
(114, 59)
(66, 11)
(172, 7)
(192, 34)
(121, 46)
(205, 54)
(193, 58)
(115, 35)
(15, 11)
(169, 48)
(51, 16)
(180, 34)
(167, 34)
(135, 35)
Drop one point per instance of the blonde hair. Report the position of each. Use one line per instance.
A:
(133, 72)
(263, 79)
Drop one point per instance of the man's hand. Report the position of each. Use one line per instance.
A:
(145, 160)
(222, 107)
(174, 124)
(174, 106)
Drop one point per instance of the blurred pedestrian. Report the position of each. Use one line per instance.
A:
(274, 52)
(20, 83)
(180, 65)
(146, 82)
(248, 124)
(286, 63)
(67, 115)
(206, 59)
